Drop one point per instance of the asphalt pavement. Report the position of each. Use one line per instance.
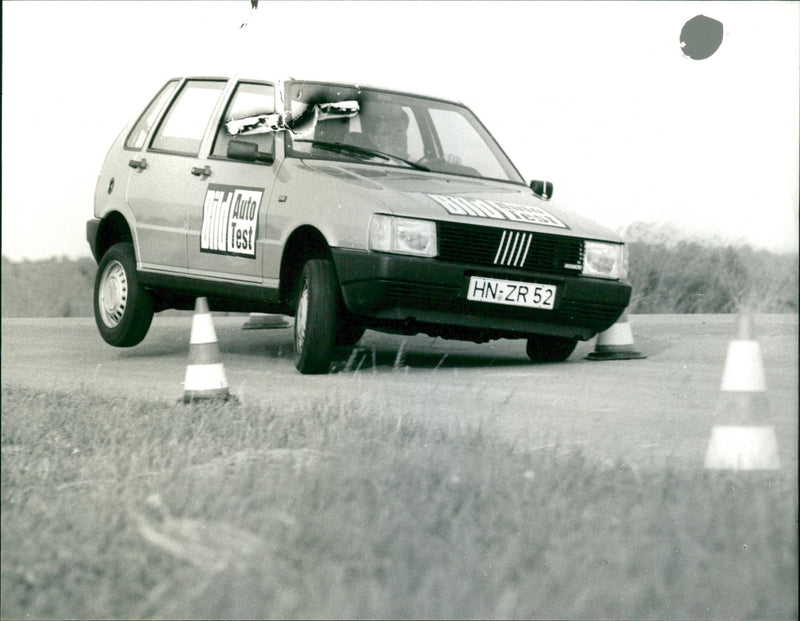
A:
(643, 413)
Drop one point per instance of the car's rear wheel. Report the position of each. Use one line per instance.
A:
(123, 310)
(315, 317)
(544, 348)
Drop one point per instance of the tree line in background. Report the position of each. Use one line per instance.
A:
(692, 278)
(669, 274)
(672, 272)
(57, 287)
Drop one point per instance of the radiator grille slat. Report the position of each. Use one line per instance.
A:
(483, 245)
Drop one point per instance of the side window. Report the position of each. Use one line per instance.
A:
(185, 123)
(139, 132)
(249, 100)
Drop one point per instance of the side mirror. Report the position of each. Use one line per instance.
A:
(543, 189)
(248, 152)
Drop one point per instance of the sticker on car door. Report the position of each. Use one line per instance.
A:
(230, 220)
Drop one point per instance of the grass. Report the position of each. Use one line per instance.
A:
(115, 508)
(693, 277)
(56, 287)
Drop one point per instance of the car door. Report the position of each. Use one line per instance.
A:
(165, 181)
(226, 225)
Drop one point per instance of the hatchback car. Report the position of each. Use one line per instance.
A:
(347, 207)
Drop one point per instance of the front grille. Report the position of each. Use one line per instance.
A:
(536, 252)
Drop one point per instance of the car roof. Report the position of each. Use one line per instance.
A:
(284, 79)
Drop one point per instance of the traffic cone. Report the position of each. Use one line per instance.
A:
(616, 343)
(260, 321)
(746, 441)
(205, 374)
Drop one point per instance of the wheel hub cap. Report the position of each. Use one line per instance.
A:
(300, 320)
(113, 294)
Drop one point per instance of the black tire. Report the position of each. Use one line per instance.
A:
(316, 317)
(348, 332)
(123, 310)
(544, 348)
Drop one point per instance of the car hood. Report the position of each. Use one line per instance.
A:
(438, 196)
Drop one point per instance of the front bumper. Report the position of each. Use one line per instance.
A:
(416, 293)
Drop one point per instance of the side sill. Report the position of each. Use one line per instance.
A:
(171, 291)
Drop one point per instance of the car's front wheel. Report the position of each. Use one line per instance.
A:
(348, 332)
(544, 348)
(315, 317)
(123, 310)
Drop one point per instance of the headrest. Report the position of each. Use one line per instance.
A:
(385, 117)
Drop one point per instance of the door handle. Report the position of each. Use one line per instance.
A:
(138, 164)
(201, 172)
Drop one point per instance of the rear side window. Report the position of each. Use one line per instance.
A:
(142, 128)
(185, 123)
(250, 100)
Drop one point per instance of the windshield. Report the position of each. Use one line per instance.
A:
(391, 129)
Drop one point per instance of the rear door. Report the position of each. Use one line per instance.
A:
(227, 220)
(165, 182)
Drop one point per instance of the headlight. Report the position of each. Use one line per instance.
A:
(605, 260)
(402, 235)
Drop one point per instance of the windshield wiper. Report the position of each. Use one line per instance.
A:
(356, 150)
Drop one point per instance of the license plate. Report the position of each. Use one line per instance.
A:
(511, 292)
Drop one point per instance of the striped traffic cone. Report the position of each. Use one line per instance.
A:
(205, 374)
(616, 343)
(745, 441)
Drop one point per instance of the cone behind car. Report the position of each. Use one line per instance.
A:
(261, 321)
(616, 343)
(205, 374)
(744, 439)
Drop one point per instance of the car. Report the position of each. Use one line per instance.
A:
(347, 207)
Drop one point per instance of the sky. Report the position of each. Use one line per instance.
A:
(597, 97)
